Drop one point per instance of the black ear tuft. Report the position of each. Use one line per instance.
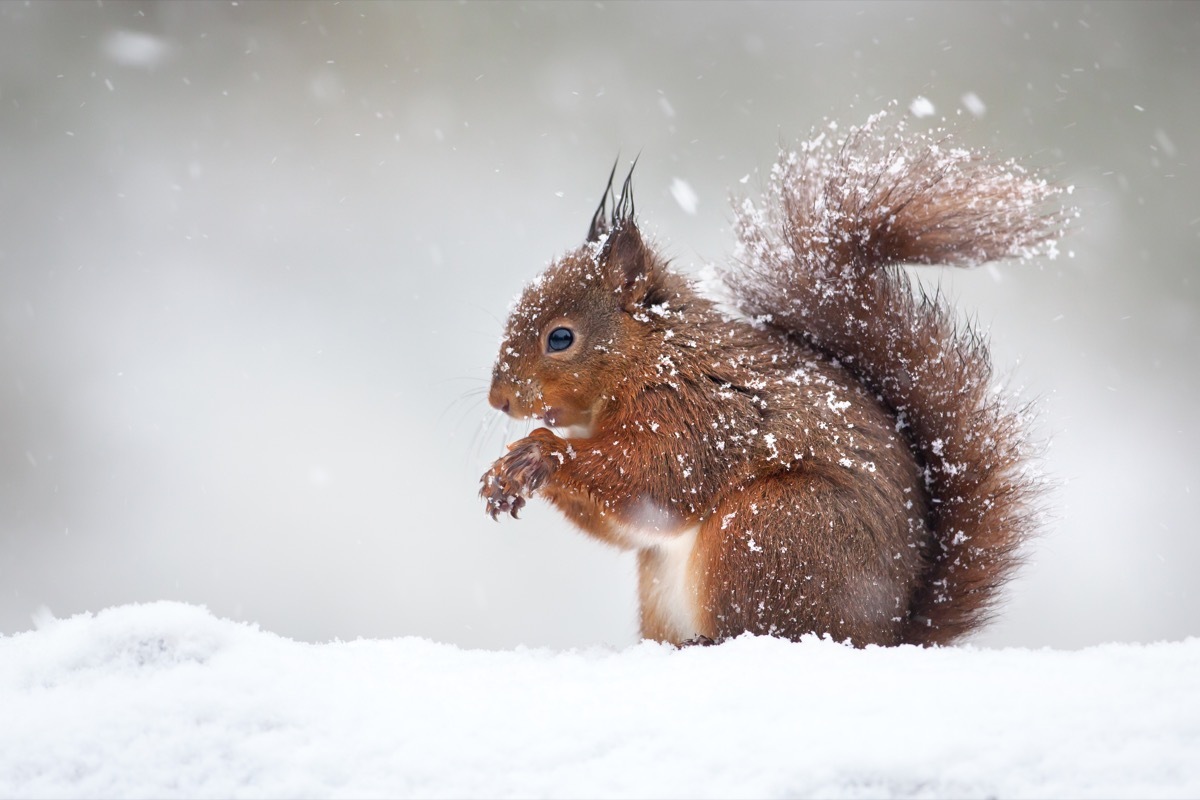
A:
(622, 210)
(600, 225)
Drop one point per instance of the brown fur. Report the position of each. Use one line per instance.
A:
(835, 467)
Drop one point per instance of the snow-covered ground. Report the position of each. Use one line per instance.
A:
(167, 700)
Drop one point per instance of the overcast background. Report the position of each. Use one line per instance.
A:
(254, 259)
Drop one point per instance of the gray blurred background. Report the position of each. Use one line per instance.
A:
(254, 257)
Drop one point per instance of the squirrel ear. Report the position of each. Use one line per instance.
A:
(627, 262)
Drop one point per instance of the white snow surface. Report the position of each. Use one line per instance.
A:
(167, 700)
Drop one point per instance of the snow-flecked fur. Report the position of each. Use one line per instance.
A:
(820, 259)
(836, 464)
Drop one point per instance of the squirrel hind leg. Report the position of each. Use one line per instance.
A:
(795, 554)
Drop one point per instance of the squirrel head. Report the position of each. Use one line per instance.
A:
(581, 330)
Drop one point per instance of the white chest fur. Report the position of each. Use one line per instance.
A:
(668, 587)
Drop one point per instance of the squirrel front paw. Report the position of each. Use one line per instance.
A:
(518, 474)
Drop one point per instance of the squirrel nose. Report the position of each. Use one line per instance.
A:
(499, 399)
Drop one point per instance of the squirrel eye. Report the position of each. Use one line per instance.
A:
(559, 339)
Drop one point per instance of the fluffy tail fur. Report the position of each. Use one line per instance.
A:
(820, 260)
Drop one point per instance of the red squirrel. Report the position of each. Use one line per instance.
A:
(833, 459)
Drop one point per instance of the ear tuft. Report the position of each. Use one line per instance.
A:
(600, 224)
(629, 266)
(622, 210)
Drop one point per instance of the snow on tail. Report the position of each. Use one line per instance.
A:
(820, 258)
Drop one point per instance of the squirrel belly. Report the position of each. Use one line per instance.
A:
(835, 462)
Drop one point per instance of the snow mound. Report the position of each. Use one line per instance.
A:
(167, 700)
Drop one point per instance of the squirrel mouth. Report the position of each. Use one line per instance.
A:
(574, 426)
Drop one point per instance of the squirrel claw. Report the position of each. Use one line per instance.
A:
(515, 477)
(499, 503)
(699, 640)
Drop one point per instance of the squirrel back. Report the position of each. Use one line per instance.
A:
(836, 464)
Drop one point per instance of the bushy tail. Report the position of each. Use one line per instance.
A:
(820, 259)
